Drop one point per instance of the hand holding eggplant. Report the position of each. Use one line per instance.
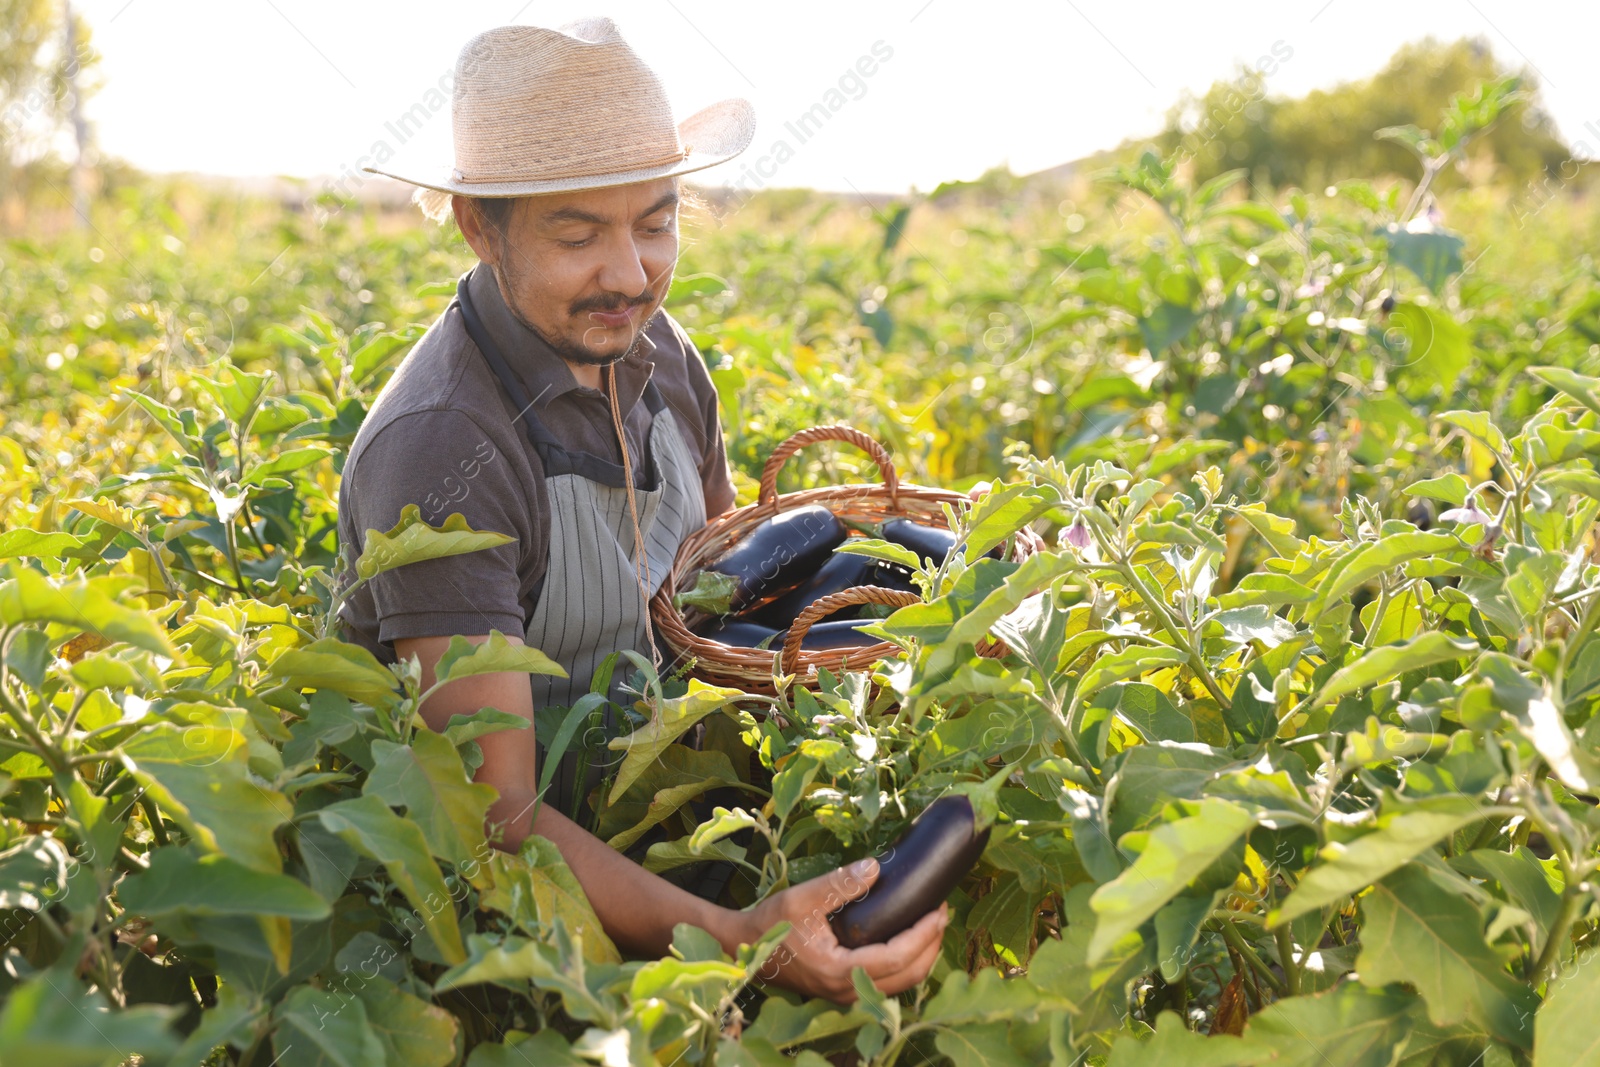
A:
(811, 960)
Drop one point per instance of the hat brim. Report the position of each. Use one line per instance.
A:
(710, 136)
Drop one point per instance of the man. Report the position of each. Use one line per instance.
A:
(556, 402)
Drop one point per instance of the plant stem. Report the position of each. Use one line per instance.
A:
(41, 746)
(1236, 941)
(1291, 970)
(231, 539)
(153, 817)
(1550, 955)
(1159, 609)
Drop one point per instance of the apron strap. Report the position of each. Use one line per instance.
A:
(541, 439)
(556, 459)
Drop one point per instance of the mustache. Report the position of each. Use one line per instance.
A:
(613, 302)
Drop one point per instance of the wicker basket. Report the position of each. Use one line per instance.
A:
(753, 669)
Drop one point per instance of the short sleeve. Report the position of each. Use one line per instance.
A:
(444, 463)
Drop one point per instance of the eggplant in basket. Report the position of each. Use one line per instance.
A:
(771, 559)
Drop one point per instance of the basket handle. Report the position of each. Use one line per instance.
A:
(849, 435)
(825, 606)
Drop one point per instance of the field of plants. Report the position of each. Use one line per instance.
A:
(1292, 756)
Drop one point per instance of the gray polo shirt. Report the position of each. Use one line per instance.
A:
(442, 435)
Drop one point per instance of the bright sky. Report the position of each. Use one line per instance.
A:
(306, 87)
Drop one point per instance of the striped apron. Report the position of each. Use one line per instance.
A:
(589, 604)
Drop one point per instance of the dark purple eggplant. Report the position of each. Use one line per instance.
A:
(741, 632)
(832, 632)
(930, 542)
(844, 570)
(779, 554)
(886, 575)
(916, 875)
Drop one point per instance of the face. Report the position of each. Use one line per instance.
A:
(584, 270)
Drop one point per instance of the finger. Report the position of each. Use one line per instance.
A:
(850, 882)
(915, 974)
(899, 951)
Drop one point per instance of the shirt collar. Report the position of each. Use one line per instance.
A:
(540, 367)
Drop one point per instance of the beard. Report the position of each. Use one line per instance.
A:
(576, 352)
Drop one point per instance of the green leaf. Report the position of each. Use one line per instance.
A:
(785, 1025)
(26, 542)
(1353, 1026)
(178, 880)
(370, 357)
(666, 786)
(198, 776)
(225, 1023)
(413, 1032)
(1174, 1043)
(1573, 481)
(1372, 559)
(1148, 710)
(1523, 878)
(1131, 662)
(428, 779)
(515, 961)
(1432, 255)
(1564, 1033)
(536, 889)
(1096, 995)
(1254, 211)
(1001, 512)
(87, 604)
(1415, 931)
(1398, 837)
(1541, 722)
(689, 982)
(464, 659)
(50, 1019)
(983, 1045)
(180, 426)
(340, 666)
(712, 593)
(463, 728)
(33, 873)
(1176, 854)
(547, 1048)
(372, 829)
(285, 463)
(1451, 488)
(1439, 349)
(874, 548)
(411, 541)
(669, 720)
(316, 1028)
(1276, 530)
(1389, 661)
(985, 997)
(1479, 425)
(1580, 387)
(239, 393)
(723, 823)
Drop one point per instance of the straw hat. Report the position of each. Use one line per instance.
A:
(546, 111)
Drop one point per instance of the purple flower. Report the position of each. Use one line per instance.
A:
(1078, 534)
(1468, 514)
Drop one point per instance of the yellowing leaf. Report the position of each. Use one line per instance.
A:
(668, 722)
(412, 540)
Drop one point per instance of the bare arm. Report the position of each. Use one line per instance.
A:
(811, 960)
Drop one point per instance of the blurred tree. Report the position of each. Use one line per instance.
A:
(1327, 134)
(44, 73)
